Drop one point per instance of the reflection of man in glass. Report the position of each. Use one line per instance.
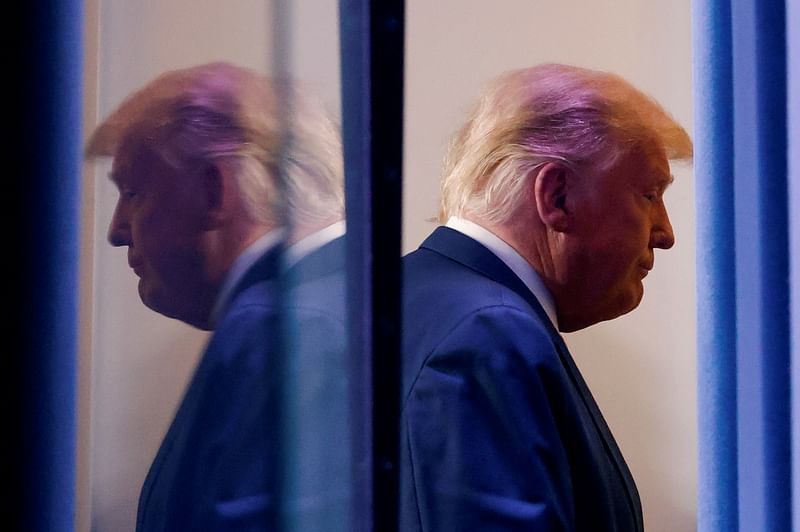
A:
(197, 158)
(553, 204)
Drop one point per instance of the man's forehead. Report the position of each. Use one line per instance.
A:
(662, 172)
(121, 169)
(128, 161)
(653, 157)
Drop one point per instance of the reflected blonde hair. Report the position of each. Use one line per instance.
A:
(218, 110)
(542, 114)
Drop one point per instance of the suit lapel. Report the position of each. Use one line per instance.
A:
(473, 255)
(265, 268)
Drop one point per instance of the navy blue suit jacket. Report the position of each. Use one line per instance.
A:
(220, 462)
(499, 430)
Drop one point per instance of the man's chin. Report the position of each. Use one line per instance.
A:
(169, 305)
(627, 302)
(160, 304)
(154, 305)
(635, 299)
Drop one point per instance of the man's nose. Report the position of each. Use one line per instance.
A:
(661, 235)
(119, 233)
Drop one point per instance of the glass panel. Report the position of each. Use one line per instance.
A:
(218, 330)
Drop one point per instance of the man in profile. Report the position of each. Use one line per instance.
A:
(552, 205)
(221, 216)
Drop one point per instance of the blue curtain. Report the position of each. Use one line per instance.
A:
(744, 204)
(41, 177)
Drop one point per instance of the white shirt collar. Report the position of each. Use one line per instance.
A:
(243, 262)
(512, 259)
(313, 242)
(261, 246)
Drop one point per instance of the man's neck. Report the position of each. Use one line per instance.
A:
(249, 248)
(500, 243)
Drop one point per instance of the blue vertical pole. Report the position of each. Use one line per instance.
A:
(356, 133)
(793, 205)
(743, 266)
(770, 22)
(372, 51)
(761, 264)
(43, 195)
(716, 275)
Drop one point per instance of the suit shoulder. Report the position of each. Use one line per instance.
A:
(259, 298)
(246, 333)
(434, 281)
(497, 331)
(321, 298)
(442, 298)
(492, 342)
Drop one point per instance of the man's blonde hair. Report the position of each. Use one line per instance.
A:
(543, 114)
(218, 110)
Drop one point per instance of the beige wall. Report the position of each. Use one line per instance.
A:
(641, 367)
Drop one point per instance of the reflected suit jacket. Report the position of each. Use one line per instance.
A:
(218, 466)
(499, 430)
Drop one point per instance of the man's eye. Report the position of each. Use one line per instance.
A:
(651, 197)
(128, 194)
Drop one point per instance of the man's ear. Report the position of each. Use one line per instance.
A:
(551, 187)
